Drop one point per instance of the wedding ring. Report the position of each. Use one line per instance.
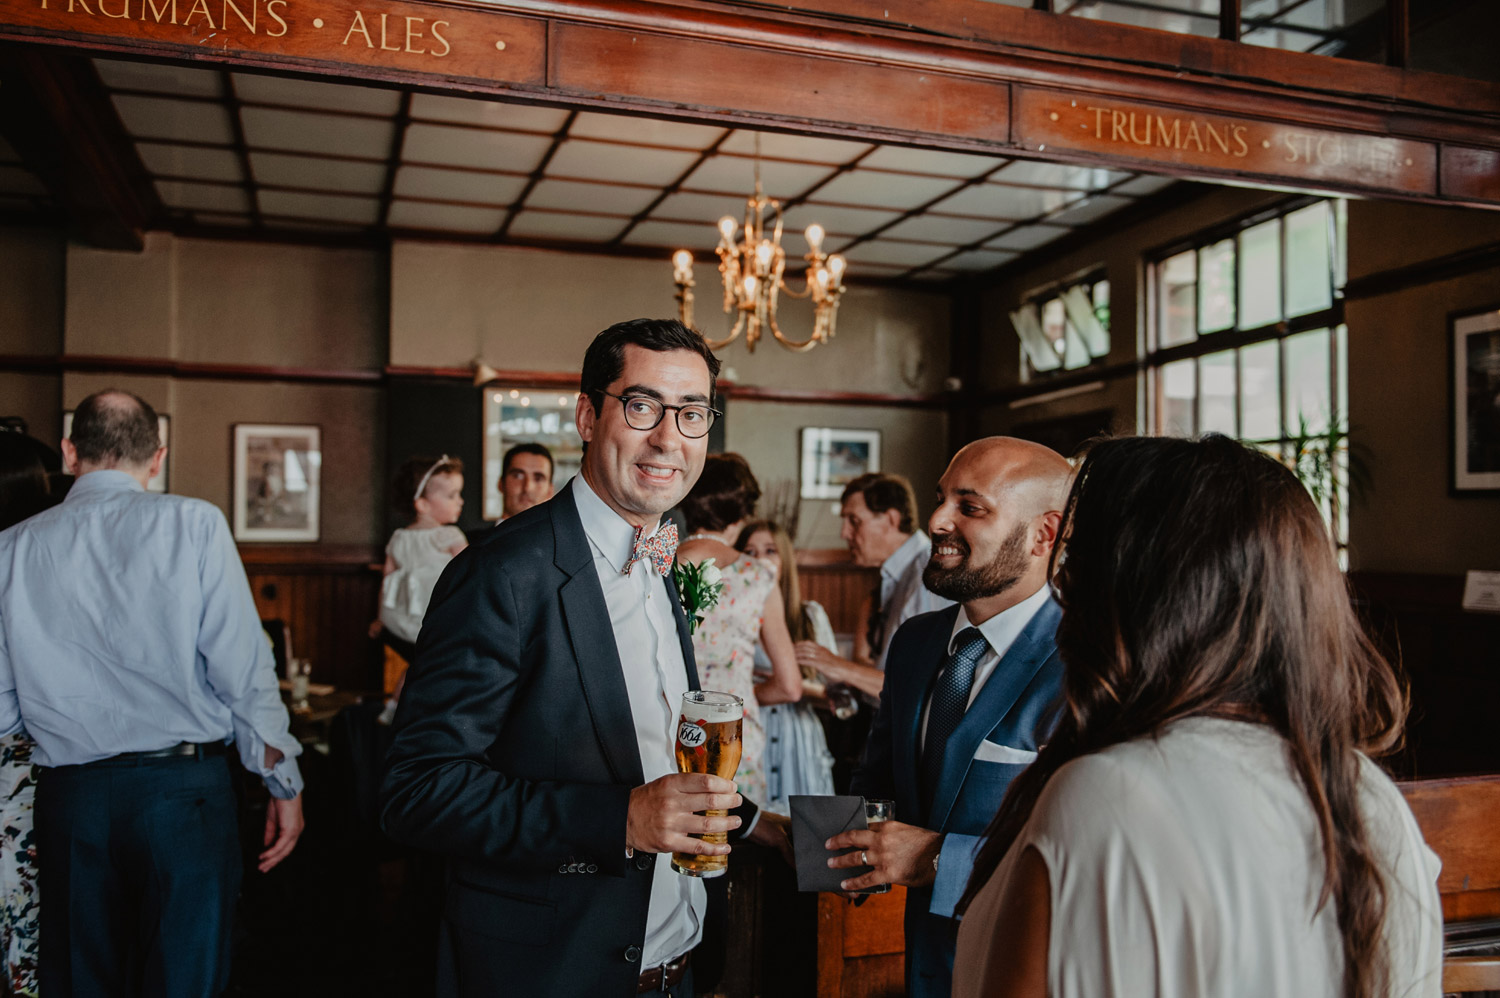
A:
(863, 859)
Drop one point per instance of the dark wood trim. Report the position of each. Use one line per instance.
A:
(393, 161)
(166, 367)
(57, 116)
(241, 148)
(1082, 376)
(1398, 33)
(1229, 20)
(303, 558)
(1468, 261)
(564, 380)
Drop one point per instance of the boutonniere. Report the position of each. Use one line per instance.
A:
(699, 585)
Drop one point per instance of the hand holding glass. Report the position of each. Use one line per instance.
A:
(876, 811)
(708, 741)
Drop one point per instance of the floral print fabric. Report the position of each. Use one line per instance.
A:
(724, 646)
(18, 876)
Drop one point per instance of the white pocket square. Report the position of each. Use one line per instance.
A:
(995, 752)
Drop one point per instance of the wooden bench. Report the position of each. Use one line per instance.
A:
(1460, 819)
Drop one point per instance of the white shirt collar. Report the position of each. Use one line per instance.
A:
(912, 548)
(1001, 630)
(607, 529)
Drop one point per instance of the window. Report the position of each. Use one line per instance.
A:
(528, 415)
(1246, 337)
(1063, 327)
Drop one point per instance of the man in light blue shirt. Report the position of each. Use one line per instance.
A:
(132, 653)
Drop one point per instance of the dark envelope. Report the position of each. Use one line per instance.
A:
(815, 820)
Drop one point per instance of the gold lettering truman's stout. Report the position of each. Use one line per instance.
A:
(708, 741)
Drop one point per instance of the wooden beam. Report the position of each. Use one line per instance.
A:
(1229, 20)
(1398, 33)
(55, 113)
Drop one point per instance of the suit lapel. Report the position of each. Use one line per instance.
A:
(586, 617)
(910, 699)
(1012, 675)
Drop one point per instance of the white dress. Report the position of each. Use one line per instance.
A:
(420, 555)
(797, 760)
(1190, 865)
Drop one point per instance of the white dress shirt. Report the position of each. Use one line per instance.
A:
(902, 593)
(640, 611)
(1000, 632)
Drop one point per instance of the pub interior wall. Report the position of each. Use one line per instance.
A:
(32, 262)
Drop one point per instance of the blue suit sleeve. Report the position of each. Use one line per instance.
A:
(955, 864)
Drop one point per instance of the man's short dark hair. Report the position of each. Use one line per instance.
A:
(883, 492)
(605, 358)
(113, 427)
(540, 450)
(725, 493)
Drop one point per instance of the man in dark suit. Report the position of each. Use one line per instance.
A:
(967, 691)
(533, 747)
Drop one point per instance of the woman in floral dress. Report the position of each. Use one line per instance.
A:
(749, 609)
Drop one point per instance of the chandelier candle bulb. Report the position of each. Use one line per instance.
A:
(815, 237)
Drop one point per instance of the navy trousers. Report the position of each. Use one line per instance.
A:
(140, 867)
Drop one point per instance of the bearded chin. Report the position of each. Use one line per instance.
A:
(967, 583)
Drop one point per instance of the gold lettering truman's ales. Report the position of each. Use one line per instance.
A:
(708, 741)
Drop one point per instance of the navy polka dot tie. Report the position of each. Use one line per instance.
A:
(950, 699)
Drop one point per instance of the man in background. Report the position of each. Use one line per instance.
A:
(525, 478)
(132, 652)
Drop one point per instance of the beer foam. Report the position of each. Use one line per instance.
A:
(712, 707)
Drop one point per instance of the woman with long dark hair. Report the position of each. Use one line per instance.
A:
(1206, 819)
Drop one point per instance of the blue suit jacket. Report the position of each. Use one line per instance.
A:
(1014, 711)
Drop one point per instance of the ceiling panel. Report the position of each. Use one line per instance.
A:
(458, 185)
(190, 161)
(160, 78)
(794, 147)
(736, 175)
(883, 190)
(897, 254)
(444, 217)
(834, 219)
(492, 114)
(608, 161)
(605, 199)
(569, 228)
(1078, 178)
(326, 133)
(164, 118)
(1144, 184)
(208, 197)
(940, 229)
(645, 131)
(316, 95)
(318, 173)
(705, 208)
(1027, 237)
(1014, 203)
(942, 164)
(473, 147)
(979, 260)
(674, 235)
(1088, 210)
(325, 207)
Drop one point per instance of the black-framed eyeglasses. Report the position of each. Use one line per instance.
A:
(642, 412)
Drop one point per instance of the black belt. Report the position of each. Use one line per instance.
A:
(668, 975)
(182, 750)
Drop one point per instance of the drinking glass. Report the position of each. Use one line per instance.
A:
(876, 811)
(708, 741)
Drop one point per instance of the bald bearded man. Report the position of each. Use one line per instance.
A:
(967, 690)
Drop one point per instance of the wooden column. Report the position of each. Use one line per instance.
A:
(1398, 33)
(1229, 20)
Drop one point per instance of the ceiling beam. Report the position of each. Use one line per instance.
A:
(55, 113)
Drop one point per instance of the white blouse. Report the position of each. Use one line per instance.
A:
(1190, 865)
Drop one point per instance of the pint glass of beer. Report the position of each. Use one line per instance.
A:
(708, 741)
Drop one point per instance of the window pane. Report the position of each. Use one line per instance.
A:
(1216, 286)
(1178, 291)
(1260, 275)
(1100, 295)
(1179, 387)
(1340, 243)
(1260, 391)
(1309, 268)
(1307, 381)
(1054, 319)
(1216, 394)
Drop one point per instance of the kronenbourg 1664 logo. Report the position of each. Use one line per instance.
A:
(691, 734)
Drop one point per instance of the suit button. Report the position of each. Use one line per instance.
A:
(563, 868)
(592, 868)
(632, 954)
(645, 862)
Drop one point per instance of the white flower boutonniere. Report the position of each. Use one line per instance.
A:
(699, 585)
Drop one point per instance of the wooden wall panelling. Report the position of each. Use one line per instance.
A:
(328, 599)
(861, 951)
(831, 579)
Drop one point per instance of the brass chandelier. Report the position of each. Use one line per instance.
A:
(752, 270)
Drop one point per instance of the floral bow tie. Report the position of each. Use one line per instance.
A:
(660, 547)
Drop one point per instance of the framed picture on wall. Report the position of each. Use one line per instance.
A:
(1475, 378)
(277, 470)
(832, 458)
(159, 481)
(528, 415)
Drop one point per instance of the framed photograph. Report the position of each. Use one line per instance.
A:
(276, 474)
(533, 416)
(1475, 440)
(159, 483)
(832, 458)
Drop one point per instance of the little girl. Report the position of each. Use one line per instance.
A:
(430, 492)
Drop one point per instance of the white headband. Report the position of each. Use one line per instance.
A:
(422, 485)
